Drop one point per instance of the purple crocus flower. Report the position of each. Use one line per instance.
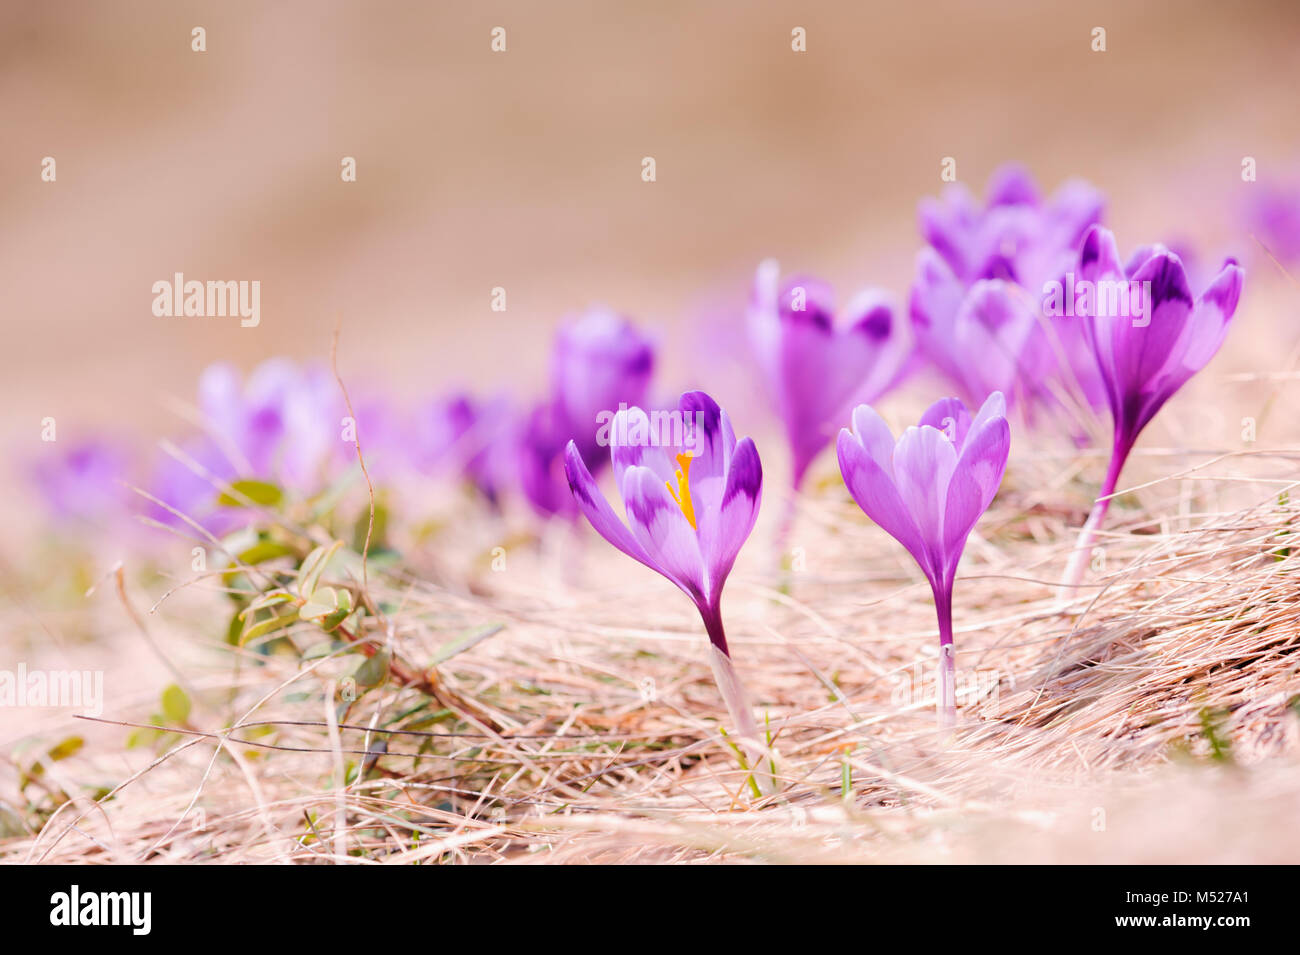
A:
(468, 436)
(282, 423)
(600, 361)
(815, 371)
(928, 490)
(540, 446)
(979, 287)
(1145, 359)
(689, 509)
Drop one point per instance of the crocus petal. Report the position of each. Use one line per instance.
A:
(1209, 322)
(995, 406)
(593, 505)
(1203, 333)
(875, 437)
(1099, 255)
(998, 335)
(712, 439)
(807, 300)
(632, 445)
(600, 361)
(874, 491)
(1011, 184)
(1073, 208)
(945, 224)
(221, 400)
(950, 416)
(975, 481)
(924, 461)
(722, 533)
(1170, 306)
(879, 344)
(936, 295)
(662, 530)
(1139, 256)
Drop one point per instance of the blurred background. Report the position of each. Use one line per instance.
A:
(522, 170)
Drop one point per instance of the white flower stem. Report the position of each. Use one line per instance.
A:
(1079, 557)
(747, 735)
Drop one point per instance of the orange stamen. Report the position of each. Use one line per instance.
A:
(682, 493)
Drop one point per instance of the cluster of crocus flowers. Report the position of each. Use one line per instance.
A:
(927, 490)
(816, 369)
(689, 508)
(977, 311)
(976, 300)
(1144, 360)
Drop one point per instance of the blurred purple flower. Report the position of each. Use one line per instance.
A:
(470, 437)
(600, 361)
(380, 430)
(814, 371)
(1144, 361)
(689, 510)
(928, 490)
(282, 424)
(976, 301)
(83, 482)
(541, 445)
(1274, 215)
(189, 483)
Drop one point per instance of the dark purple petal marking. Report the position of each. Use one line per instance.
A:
(1168, 280)
(745, 474)
(876, 324)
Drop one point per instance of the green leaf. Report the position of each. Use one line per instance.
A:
(263, 551)
(261, 493)
(373, 670)
(65, 748)
(313, 565)
(269, 625)
(142, 736)
(176, 705)
(268, 599)
(323, 601)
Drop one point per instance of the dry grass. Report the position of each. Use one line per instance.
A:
(1152, 718)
